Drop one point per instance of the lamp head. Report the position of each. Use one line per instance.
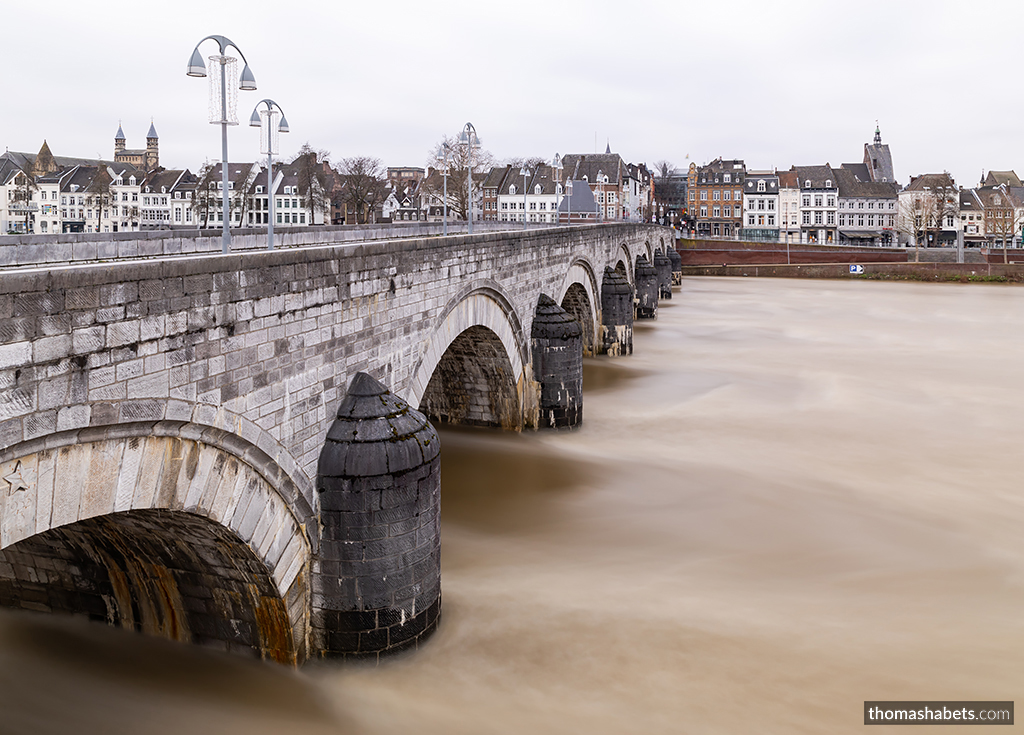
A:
(283, 125)
(247, 81)
(196, 67)
(254, 121)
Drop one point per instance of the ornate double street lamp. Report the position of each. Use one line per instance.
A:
(227, 112)
(444, 151)
(556, 165)
(471, 139)
(525, 172)
(272, 121)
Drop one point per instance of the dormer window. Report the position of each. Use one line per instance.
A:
(807, 184)
(512, 189)
(163, 189)
(131, 181)
(761, 186)
(259, 189)
(750, 184)
(147, 189)
(537, 189)
(828, 183)
(727, 178)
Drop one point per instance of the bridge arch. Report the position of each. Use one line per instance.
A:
(623, 263)
(473, 367)
(579, 295)
(167, 527)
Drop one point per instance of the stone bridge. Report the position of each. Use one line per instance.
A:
(179, 455)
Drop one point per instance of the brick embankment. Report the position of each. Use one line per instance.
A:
(934, 272)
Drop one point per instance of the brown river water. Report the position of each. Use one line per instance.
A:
(795, 496)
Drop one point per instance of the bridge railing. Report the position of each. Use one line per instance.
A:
(67, 248)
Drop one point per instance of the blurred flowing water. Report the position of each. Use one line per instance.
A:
(794, 496)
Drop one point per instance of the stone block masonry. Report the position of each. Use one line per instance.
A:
(252, 353)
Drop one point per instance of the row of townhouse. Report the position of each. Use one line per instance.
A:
(42, 193)
(583, 187)
(855, 202)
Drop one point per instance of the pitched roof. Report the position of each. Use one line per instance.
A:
(576, 166)
(815, 177)
(995, 178)
(851, 186)
(930, 182)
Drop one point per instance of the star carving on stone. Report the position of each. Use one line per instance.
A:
(17, 480)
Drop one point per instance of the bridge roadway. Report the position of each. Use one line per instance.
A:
(161, 419)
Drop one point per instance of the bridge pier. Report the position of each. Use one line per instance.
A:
(677, 266)
(646, 280)
(377, 575)
(616, 314)
(663, 267)
(557, 346)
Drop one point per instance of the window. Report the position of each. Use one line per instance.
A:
(302, 218)
(807, 201)
(828, 183)
(728, 211)
(831, 219)
(533, 205)
(807, 218)
(771, 220)
(860, 205)
(817, 218)
(760, 204)
(831, 201)
(703, 195)
(771, 205)
(716, 212)
(704, 211)
(760, 186)
(726, 195)
(817, 200)
(842, 220)
(871, 220)
(750, 219)
(504, 205)
(871, 205)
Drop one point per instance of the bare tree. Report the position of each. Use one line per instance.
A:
(205, 194)
(24, 185)
(663, 169)
(364, 186)
(1003, 217)
(530, 162)
(312, 168)
(99, 193)
(458, 167)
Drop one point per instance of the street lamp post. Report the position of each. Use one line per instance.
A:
(568, 194)
(471, 139)
(196, 68)
(268, 117)
(556, 165)
(525, 172)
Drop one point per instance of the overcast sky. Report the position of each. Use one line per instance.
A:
(774, 83)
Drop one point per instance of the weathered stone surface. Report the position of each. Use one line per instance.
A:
(677, 265)
(259, 346)
(646, 279)
(378, 480)
(663, 266)
(616, 314)
(555, 340)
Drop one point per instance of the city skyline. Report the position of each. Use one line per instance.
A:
(793, 83)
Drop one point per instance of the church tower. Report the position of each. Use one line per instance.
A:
(152, 148)
(878, 159)
(119, 141)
